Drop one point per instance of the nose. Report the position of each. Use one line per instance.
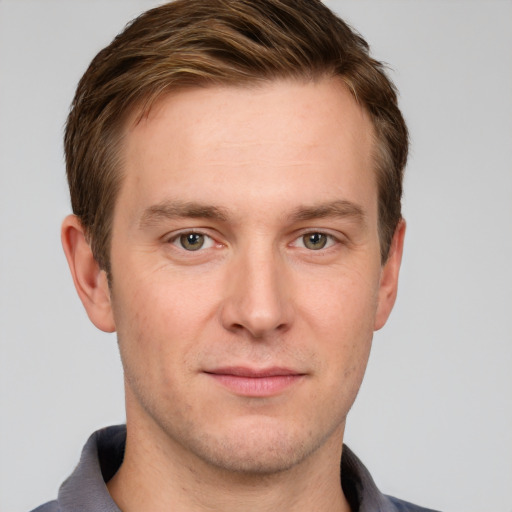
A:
(257, 299)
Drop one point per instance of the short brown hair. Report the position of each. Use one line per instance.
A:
(230, 42)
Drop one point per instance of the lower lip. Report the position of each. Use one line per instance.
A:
(256, 386)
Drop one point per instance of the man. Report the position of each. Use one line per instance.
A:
(235, 170)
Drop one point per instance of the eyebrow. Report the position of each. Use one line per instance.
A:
(178, 209)
(340, 208)
(167, 210)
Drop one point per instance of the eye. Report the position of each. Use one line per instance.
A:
(193, 241)
(315, 241)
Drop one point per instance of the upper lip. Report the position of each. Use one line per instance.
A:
(254, 373)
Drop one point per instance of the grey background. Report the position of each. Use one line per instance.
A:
(433, 421)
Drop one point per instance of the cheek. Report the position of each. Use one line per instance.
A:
(340, 316)
(160, 319)
(342, 304)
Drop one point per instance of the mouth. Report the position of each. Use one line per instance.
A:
(255, 382)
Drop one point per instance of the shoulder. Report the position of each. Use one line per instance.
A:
(362, 493)
(405, 506)
(51, 506)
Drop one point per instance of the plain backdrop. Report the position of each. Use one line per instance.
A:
(433, 420)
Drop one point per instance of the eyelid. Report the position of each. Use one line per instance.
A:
(332, 238)
(173, 238)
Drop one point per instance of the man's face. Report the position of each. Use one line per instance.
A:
(247, 279)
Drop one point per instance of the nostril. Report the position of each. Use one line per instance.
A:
(255, 302)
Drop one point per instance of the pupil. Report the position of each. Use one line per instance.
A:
(315, 241)
(192, 241)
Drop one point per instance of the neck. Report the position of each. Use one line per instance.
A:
(158, 474)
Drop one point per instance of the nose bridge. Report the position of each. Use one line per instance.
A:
(257, 299)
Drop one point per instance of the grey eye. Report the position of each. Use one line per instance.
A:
(191, 241)
(314, 241)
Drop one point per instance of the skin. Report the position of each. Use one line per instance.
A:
(262, 176)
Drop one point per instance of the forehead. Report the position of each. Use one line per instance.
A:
(299, 101)
(246, 140)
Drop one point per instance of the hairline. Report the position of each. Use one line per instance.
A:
(141, 108)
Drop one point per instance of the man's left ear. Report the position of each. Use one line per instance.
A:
(389, 277)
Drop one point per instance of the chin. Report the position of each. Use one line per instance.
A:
(260, 448)
(253, 457)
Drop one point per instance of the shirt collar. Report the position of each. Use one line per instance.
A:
(86, 490)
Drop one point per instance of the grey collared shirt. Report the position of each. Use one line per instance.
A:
(85, 489)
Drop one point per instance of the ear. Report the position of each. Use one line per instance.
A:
(389, 277)
(90, 281)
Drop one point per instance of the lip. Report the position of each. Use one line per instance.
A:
(255, 382)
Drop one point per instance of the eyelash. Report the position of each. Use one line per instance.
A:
(176, 240)
(330, 240)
